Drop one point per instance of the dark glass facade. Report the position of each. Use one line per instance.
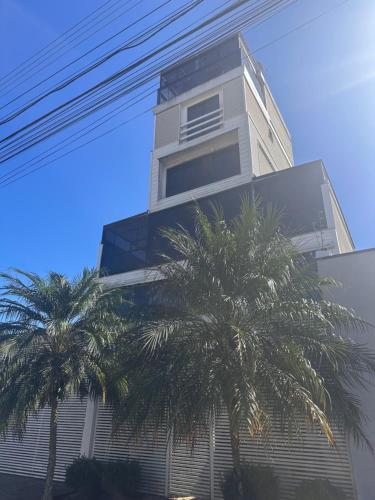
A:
(125, 245)
(203, 170)
(200, 68)
(137, 242)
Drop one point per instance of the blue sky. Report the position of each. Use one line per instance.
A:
(322, 76)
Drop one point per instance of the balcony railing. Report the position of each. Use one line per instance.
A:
(202, 125)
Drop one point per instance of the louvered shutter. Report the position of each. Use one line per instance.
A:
(304, 457)
(190, 469)
(29, 456)
(150, 450)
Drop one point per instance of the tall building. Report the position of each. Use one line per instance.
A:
(219, 136)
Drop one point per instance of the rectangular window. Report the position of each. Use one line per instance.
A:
(202, 118)
(204, 170)
(203, 107)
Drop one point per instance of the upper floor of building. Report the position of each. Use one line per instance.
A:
(219, 136)
(217, 126)
(312, 218)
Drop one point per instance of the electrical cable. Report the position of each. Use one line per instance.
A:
(58, 52)
(132, 43)
(135, 41)
(109, 115)
(30, 60)
(131, 67)
(86, 53)
(302, 25)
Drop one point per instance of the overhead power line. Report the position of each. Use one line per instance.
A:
(300, 26)
(38, 162)
(244, 18)
(17, 173)
(61, 39)
(85, 54)
(149, 91)
(164, 62)
(135, 41)
(96, 123)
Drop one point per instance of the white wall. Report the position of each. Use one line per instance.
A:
(356, 272)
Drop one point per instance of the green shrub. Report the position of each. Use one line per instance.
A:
(255, 482)
(122, 477)
(84, 476)
(321, 489)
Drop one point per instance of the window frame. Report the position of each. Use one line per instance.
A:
(192, 102)
(214, 151)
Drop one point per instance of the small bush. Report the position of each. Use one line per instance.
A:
(84, 476)
(318, 488)
(122, 477)
(255, 482)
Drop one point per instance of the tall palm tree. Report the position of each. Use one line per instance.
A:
(57, 339)
(241, 327)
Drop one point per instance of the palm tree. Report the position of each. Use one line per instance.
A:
(57, 339)
(240, 326)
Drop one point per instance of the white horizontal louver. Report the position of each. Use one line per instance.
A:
(150, 450)
(190, 469)
(305, 457)
(29, 456)
(222, 453)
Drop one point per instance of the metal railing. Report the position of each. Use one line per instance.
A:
(202, 125)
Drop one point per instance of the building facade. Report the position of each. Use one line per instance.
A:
(219, 136)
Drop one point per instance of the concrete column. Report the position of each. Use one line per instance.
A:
(88, 434)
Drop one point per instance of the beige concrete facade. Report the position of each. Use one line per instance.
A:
(264, 141)
(263, 133)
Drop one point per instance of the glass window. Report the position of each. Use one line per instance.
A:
(203, 107)
(204, 170)
(201, 126)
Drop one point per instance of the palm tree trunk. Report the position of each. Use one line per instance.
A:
(48, 486)
(235, 443)
(234, 432)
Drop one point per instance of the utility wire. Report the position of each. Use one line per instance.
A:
(131, 89)
(37, 68)
(60, 52)
(134, 42)
(108, 116)
(5, 177)
(150, 71)
(111, 113)
(5, 180)
(138, 63)
(87, 130)
(300, 26)
(93, 49)
(64, 37)
(78, 147)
